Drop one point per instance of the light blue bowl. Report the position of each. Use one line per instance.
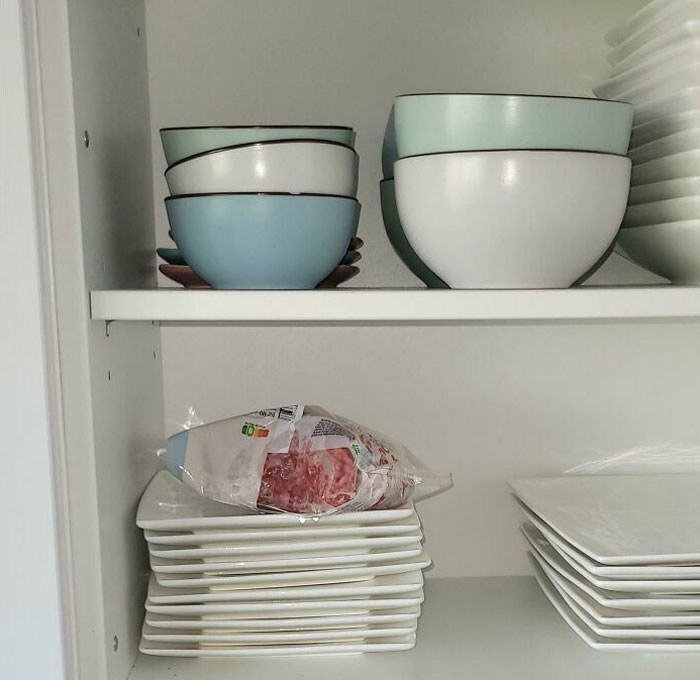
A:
(263, 241)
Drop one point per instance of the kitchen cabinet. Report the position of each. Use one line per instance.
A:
(488, 384)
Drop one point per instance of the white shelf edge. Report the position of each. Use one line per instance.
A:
(493, 628)
(401, 305)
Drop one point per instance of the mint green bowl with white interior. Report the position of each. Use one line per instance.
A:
(439, 123)
(183, 142)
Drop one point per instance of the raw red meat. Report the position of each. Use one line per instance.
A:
(308, 482)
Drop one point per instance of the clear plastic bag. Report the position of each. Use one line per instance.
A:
(299, 459)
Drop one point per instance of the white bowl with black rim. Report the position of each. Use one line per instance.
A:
(297, 166)
(511, 219)
(183, 142)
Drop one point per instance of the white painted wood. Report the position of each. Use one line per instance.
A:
(658, 302)
(94, 78)
(496, 629)
(31, 516)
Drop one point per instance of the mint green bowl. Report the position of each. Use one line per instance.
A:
(436, 123)
(183, 142)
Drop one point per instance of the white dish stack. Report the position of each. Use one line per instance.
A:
(229, 583)
(618, 556)
(656, 67)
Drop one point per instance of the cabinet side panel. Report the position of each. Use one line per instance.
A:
(110, 88)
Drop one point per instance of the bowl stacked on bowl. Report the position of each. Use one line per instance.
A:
(510, 191)
(262, 207)
(656, 67)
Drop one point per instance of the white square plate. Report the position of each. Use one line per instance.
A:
(648, 14)
(682, 101)
(214, 537)
(382, 585)
(269, 638)
(609, 616)
(657, 65)
(283, 549)
(669, 124)
(683, 164)
(663, 85)
(663, 212)
(379, 617)
(288, 609)
(183, 650)
(644, 632)
(627, 572)
(294, 578)
(621, 519)
(686, 587)
(686, 140)
(169, 505)
(661, 191)
(608, 644)
(249, 566)
(637, 47)
(639, 603)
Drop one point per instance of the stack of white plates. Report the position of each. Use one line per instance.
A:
(656, 67)
(227, 582)
(619, 556)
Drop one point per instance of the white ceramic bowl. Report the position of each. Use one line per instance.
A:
(289, 166)
(511, 219)
(671, 250)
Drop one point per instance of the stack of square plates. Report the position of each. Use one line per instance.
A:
(619, 556)
(227, 582)
(656, 67)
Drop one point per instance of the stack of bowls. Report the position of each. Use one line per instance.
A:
(262, 207)
(656, 67)
(510, 191)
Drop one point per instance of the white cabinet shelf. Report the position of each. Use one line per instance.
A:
(490, 628)
(407, 305)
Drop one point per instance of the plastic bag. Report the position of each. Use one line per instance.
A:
(299, 459)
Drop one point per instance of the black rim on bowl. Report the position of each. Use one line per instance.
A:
(260, 193)
(270, 142)
(504, 94)
(256, 127)
(447, 153)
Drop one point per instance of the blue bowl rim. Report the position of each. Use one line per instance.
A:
(447, 153)
(515, 94)
(260, 193)
(269, 142)
(255, 127)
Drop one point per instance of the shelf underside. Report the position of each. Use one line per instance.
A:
(486, 628)
(406, 305)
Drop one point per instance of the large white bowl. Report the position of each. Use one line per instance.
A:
(671, 250)
(289, 166)
(511, 219)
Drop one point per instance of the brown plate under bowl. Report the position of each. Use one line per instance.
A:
(187, 277)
